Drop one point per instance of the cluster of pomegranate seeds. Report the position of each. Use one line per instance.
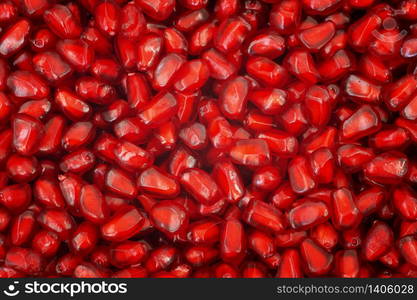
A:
(197, 138)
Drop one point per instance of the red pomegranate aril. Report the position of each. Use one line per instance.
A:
(120, 183)
(204, 232)
(391, 259)
(107, 15)
(306, 214)
(194, 136)
(301, 175)
(180, 160)
(258, 122)
(131, 157)
(169, 217)
(22, 228)
(233, 97)
(323, 165)
(84, 238)
(370, 200)
(353, 157)
(404, 200)
(175, 41)
(289, 238)
(25, 84)
(52, 66)
(345, 213)
(43, 39)
(58, 221)
(326, 235)
(61, 20)
(160, 109)
(158, 10)
(314, 41)
(124, 224)
(128, 253)
(95, 90)
(263, 216)
(78, 135)
(158, 183)
(46, 243)
(408, 247)
(390, 138)
(5, 218)
(21, 168)
(232, 241)
(71, 105)
(285, 16)
(317, 105)
(106, 69)
(191, 76)
(266, 178)
(199, 256)
(79, 161)
(363, 122)
(269, 101)
(24, 260)
(267, 71)
(88, 270)
(317, 260)
(397, 94)
(187, 103)
(361, 32)
(231, 34)
(166, 69)
(125, 51)
(15, 38)
(388, 168)
(148, 52)
(131, 129)
(250, 152)
(132, 272)
(92, 204)
(201, 186)
(220, 132)
(47, 192)
(39, 109)
(301, 64)
(290, 266)
(373, 68)
(347, 264)
(176, 139)
(161, 258)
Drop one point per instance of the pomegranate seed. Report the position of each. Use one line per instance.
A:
(125, 223)
(128, 253)
(176, 139)
(61, 20)
(317, 260)
(306, 214)
(15, 38)
(24, 260)
(47, 243)
(201, 186)
(378, 241)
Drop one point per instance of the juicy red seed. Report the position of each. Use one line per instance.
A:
(307, 214)
(378, 241)
(163, 138)
(169, 217)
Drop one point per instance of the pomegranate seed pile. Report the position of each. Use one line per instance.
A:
(208, 138)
